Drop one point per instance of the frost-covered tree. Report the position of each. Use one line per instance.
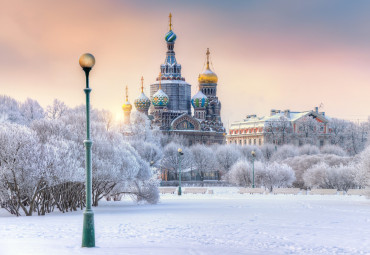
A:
(170, 160)
(203, 159)
(363, 173)
(21, 173)
(350, 136)
(308, 130)
(241, 173)
(268, 150)
(247, 152)
(226, 156)
(276, 175)
(338, 177)
(56, 110)
(279, 131)
(10, 110)
(269, 175)
(31, 110)
(149, 151)
(301, 164)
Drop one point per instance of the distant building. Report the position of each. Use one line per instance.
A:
(281, 127)
(170, 101)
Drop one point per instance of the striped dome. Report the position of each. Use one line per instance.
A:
(170, 36)
(199, 100)
(142, 102)
(160, 98)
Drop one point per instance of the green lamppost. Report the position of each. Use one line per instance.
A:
(87, 61)
(253, 156)
(180, 154)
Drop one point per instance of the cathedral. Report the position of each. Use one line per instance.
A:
(169, 106)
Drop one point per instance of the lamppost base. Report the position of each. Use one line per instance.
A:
(88, 232)
(179, 191)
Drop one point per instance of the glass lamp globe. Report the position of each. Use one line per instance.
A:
(87, 60)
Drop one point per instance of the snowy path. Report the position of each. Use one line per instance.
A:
(202, 224)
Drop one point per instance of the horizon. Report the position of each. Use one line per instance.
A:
(298, 57)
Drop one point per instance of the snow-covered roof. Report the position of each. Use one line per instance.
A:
(252, 121)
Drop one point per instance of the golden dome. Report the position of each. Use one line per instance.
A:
(207, 76)
(127, 105)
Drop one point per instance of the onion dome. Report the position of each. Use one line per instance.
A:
(127, 105)
(160, 98)
(142, 103)
(170, 36)
(207, 76)
(199, 100)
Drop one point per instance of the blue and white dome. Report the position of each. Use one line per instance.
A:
(199, 100)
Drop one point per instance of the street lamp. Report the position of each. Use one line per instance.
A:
(253, 157)
(87, 61)
(180, 154)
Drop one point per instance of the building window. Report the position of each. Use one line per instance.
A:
(250, 141)
(240, 142)
(245, 142)
(321, 143)
(254, 141)
(260, 141)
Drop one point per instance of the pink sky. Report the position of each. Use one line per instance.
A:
(267, 56)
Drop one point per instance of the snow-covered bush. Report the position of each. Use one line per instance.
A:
(269, 175)
(241, 173)
(308, 149)
(326, 177)
(276, 175)
(333, 149)
(301, 164)
(285, 151)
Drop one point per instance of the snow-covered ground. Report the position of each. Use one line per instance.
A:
(223, 223)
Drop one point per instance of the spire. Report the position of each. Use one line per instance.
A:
(142, 84)
(126, 94)
(160, 79)
(170, 16)
(208, 57)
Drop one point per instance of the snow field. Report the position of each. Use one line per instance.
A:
(223, 223)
